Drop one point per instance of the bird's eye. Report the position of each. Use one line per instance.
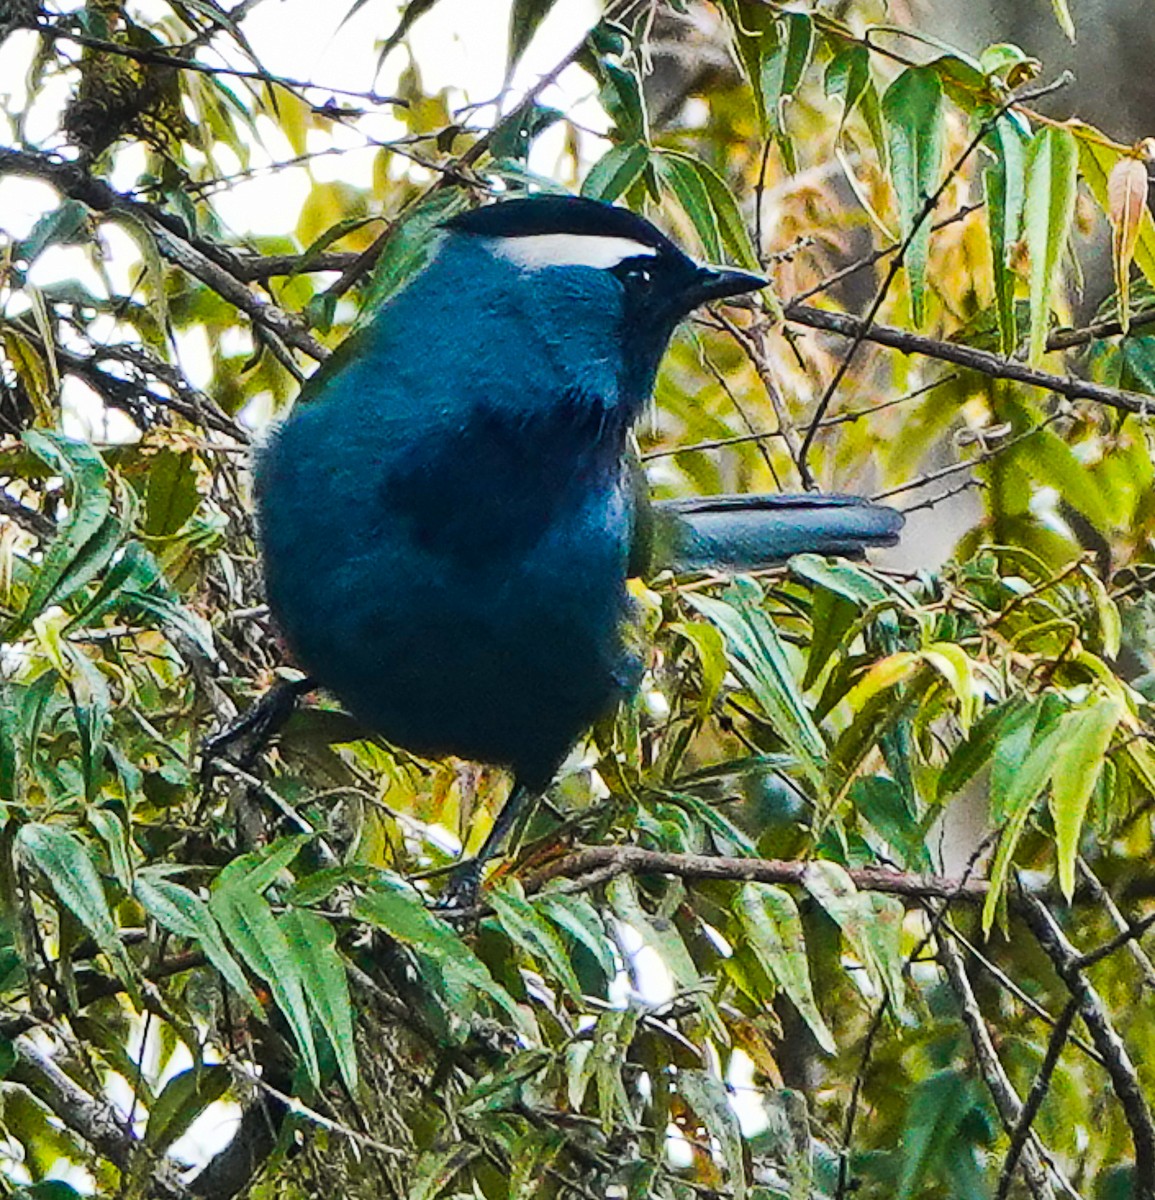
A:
(635, 275)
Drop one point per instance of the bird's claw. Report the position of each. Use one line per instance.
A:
(462, 889)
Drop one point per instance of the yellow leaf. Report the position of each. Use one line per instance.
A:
(1126, 204)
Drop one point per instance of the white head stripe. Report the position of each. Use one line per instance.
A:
(539, 250)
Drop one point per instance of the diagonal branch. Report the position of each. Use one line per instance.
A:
(1002, 1091)
(1030, 1110)
(91, 1119)
(209, 263)
(1068, 963)
(983, 361)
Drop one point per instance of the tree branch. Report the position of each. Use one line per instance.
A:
(983, 361)
(1002, 1091)
(1038, 1091)
(93, 1120)
(606, 862)
(205, 261)
(1068, 964)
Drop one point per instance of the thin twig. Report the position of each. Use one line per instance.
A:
(869, 260)
(1067, 962)
(1007, 1102)
(855, 1093)
(967, 464)
(983, 361)
(1130, 931)
(1030, 1109)
(841, 419)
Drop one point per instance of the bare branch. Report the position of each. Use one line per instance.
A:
(1030, 1109)
(1002, 1091)
(31, 521)
(610, 861)
(205, 261)
(983, 361)
(1068, 963)
(91, 1119)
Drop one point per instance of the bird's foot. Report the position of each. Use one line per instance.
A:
(462, 888)
(252, 730)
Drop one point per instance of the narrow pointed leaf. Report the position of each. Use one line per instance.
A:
(250, 926)
(770, 921)
(1079, 757)
(912, 113)
(1048, 214)
(326, 987)
(536, 937)
(184, 913)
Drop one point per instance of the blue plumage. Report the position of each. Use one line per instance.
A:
(449, 515)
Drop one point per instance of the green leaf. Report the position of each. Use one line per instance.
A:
(49, 1189)
(322, 969)
(711, 651)
(706, 1094)
(954, 665)
(758, 658)
(184, 1098)
(1032, 775)
(781, 72)
(88, 537)
(616, 171)
(435, 1169)
(111, 831)
(735, 238)
(135, 569)
(937, 1107)
(408, 249)
(176, 620)
(91, 705)
(912, 112)
(536, 937)
(769, 919)
(1063, 16)
(66, 864)
(848, 76)
(185, 914)
(871, 923)
(400, 912)
(250, 926)
(1004, 182)
(171, 496)
(756, 34)
(1048, 214)
(679, 175)
(1083, 739)
(524, 18)
(578, 917)
(1052, 463)
(621, 96)
(256, 871)
(65, 225)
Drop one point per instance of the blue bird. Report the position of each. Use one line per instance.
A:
(450, 513)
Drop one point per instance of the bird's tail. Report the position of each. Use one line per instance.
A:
(736, 533)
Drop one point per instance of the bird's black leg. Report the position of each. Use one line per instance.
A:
(465, 879)
(253, 728)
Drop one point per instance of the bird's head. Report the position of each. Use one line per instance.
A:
(656, 283)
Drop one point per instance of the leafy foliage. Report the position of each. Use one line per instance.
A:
(773, 935)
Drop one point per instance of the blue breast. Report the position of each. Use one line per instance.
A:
(446, 550)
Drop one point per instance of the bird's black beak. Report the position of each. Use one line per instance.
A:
(716, 283)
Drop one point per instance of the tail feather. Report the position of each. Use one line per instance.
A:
(748, 532)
